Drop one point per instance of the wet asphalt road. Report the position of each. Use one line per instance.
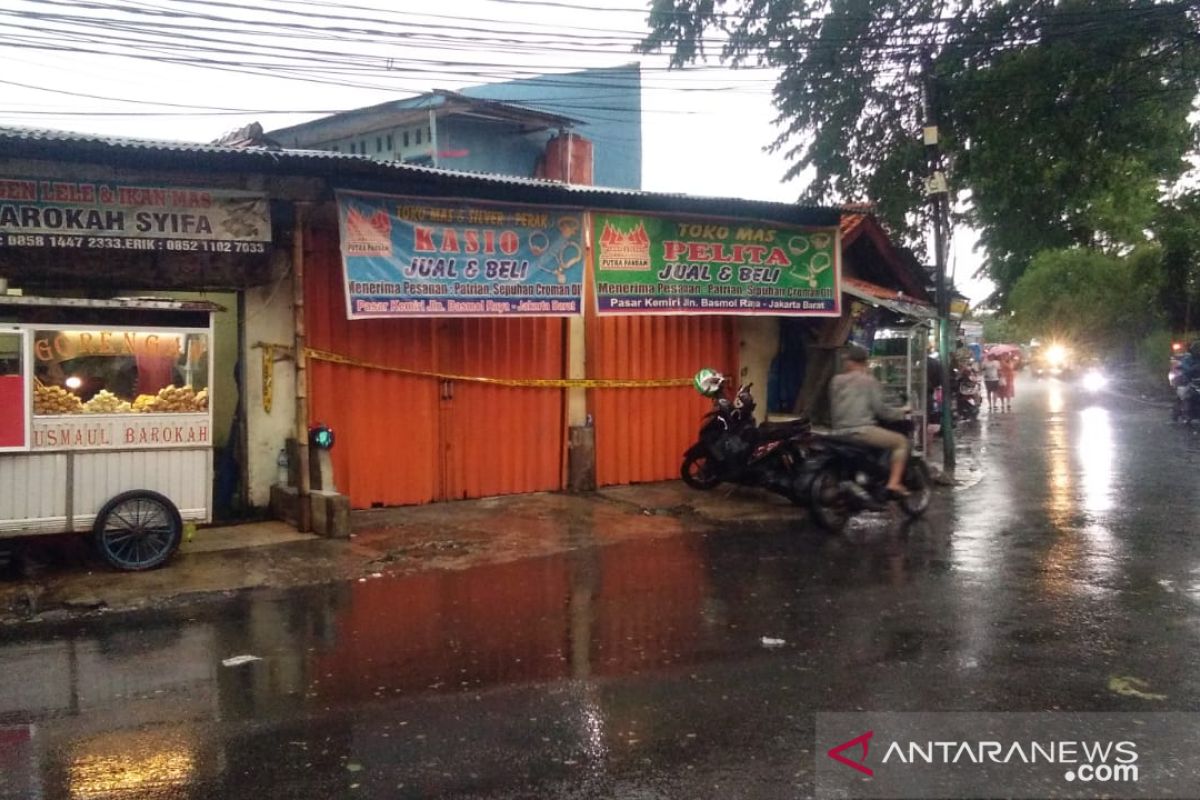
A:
(636, 670)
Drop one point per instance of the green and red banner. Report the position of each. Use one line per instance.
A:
(660, 265)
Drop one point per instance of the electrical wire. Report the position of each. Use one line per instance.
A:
(140, 31)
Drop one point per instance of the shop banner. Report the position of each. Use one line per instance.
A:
(100, 215)
(657, 265)
(409, 257)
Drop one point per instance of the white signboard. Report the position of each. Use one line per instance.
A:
(99, 215)
(122, 431)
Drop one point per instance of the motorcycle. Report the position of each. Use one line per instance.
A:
(1187, 405)
(844, 477)
(968, 399)
(733, 448)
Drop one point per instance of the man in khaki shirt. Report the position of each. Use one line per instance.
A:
(856, 401)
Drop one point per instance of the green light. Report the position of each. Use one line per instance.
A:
(321, 437)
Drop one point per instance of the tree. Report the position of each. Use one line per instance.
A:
(998, 328)
(1177, 228)
(1062, 119)
(1089, 297)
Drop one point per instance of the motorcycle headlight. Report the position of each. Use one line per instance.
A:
(1094, 381)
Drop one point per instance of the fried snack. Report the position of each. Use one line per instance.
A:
(172, 400)
(55, 400)
(104, 402)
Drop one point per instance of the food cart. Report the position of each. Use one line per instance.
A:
(105, 424)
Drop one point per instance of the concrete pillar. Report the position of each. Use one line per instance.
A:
(581, 436)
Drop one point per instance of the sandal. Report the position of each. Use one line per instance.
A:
(897, 494)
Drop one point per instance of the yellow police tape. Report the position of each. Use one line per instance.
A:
(268, 376)
(540, 383)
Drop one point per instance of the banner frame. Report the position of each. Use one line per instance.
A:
(584, 213)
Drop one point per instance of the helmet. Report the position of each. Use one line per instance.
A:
(708, 382)
(855, 353)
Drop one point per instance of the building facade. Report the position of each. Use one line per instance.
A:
(541, 336)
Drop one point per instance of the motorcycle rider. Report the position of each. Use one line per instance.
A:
(856, 403)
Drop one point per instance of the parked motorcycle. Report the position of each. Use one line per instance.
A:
(968, 398)
(733, 448)
(844, 477)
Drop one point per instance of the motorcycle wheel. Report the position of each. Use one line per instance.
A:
(829, 508)
(697, 473)
(920, 489)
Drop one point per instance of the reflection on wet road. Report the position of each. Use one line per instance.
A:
(637, 669)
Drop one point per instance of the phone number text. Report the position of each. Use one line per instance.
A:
(129, 243)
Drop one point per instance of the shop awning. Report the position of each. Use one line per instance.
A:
(890, 299)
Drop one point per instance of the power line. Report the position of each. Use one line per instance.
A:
(887, 53)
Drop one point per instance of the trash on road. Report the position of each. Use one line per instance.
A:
(767, 641)
(1132, 687)
(237, 661)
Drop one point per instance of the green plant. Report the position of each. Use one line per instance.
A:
(1154, 356)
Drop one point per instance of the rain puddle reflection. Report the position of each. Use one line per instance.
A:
(127, 706)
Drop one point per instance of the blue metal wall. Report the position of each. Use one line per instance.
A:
(485, 146)
(610, 102)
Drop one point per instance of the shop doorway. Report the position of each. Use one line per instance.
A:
(786, 376)
(641, 433)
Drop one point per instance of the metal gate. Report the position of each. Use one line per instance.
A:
(406, 439)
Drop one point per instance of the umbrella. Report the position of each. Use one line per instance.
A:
(1003, 349)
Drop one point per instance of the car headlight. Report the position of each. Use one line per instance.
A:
(1056, 354)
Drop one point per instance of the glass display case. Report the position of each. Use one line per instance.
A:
(127, 371)
(899, 360)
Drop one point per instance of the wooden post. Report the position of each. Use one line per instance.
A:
(303, 486)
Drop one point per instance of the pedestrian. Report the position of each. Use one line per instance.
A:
(991, 379)
(1008, 377)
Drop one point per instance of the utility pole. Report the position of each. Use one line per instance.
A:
(938, 193)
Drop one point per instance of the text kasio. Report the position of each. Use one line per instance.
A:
(485, 241)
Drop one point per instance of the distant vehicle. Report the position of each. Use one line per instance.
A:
(1186, 407)
(1092, 374)
(1178, 351)
(1053, 360)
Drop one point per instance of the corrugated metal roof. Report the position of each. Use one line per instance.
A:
(165, 145)
(122, 303)
(888, 298)
(344, 170)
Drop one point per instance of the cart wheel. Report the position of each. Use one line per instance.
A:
(137, 530)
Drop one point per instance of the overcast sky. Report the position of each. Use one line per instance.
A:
(704, 129)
